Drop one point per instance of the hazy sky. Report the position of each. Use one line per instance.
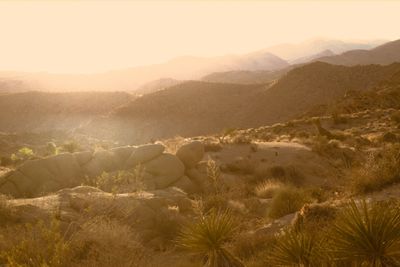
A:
(97, 36)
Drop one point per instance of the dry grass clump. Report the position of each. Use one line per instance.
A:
(314, 216)
(287, 200)
(104, 242)
(248, 245)
(35, 245)
(285, 174)
(165, 228)
(381, 169)
(267, 188)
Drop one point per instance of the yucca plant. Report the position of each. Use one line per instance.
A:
(367, 235)
(208, 237)
(295, 248)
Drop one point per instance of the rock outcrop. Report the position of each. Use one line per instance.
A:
(191, 153)
(161, 170)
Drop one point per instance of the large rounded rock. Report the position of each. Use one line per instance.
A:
(166, 169)
(123, 152)
(83, 157)
(8, 188)
(102, 161)
(186, 185)
(143, 154)
(65, 168)
(19, 185)
(191, 153)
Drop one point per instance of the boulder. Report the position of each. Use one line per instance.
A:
(166, 169)
(102, 161)
(186, 185)
(22, 185)
(197, 176)
(123, 152)
(143, 154)
(83, 157)
(8, 188)
(191, 153)
(65, 168)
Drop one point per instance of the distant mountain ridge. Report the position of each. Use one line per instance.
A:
(384, 54)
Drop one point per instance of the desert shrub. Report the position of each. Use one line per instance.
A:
(267, 188)
(396, 117)
(241, 165)
(23, 154)
(51, 149)
(367, 235)
(215, 202)
(246, 245)
(121, 181)
(314, 216)
(210, 146)
(285, 174)
(302, 134)
(5, 161)
(7, 212)
(287, 200)
(294, 248)
(105, 242)
(338, 118)
(71, 146)
(226, 133)
(208, 237)
(390, 137)
(40, 244)
(381, 169)
(167, 226)
(241, 139)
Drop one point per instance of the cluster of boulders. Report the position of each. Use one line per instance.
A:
(161, 169)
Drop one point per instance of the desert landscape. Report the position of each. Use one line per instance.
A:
(285, 155)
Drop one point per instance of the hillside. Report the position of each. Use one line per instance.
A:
(40, 111)
(194, 108)
(384, 54)
(307, 59)
(314, 84)
(245, 77)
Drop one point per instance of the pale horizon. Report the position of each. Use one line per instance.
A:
(93, 37)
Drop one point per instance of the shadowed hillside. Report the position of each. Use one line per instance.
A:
(194, 108)
(39, 111)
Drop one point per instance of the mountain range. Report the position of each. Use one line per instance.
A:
(182, 68)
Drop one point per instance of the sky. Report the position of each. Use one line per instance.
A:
(90, 36)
